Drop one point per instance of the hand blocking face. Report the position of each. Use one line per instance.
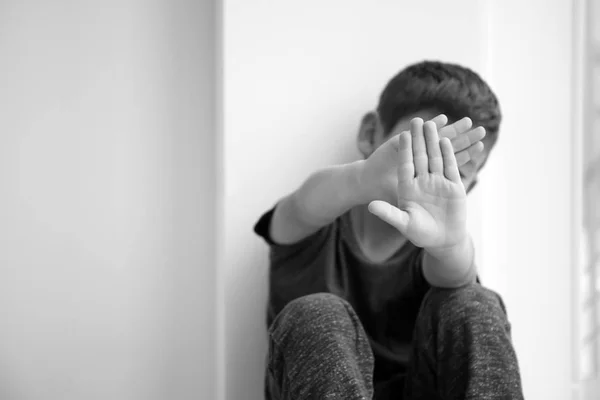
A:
(431, 199)
(379, 177)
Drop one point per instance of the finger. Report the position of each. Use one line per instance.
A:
(478, 154)
(476, 161)
(464, 140)
(418, 147)
(455, 129)
(434, 154)
(450, 166)
(474, 152)
(440, 121)
(406, 167)
(392, 215)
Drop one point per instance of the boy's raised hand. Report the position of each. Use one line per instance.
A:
(379, 177)
(431, 203)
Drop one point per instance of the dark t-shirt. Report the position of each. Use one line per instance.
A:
(386, 296)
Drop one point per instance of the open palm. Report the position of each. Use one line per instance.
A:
(432, 202)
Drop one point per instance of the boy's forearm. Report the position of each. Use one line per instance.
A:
(329, 193)
(451, 267)
(323, 197)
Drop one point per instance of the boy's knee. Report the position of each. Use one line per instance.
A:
(315, 341)
(314, 314)
(472, 303)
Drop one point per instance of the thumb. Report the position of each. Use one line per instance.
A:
(392, 215)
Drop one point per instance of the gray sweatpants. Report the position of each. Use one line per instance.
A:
(461, 350)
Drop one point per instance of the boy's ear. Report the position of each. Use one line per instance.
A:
(367, 133)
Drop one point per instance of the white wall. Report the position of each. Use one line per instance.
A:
(298, 77)
(527, 188)
(107, 177)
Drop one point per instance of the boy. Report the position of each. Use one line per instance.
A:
(373, 288)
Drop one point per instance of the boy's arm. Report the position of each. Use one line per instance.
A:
(332, 191)
(432, 206)
(450, 267)
(323, 197)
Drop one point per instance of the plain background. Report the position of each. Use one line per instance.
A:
(107, 212)
(141, 140)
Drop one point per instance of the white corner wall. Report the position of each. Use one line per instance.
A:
(107, 186)
(113, 227)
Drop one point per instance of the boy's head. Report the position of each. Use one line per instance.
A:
(425, 90)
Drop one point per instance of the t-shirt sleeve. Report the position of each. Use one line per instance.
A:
(302, 252)
(262, 227)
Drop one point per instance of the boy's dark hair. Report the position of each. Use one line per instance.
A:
(448, 88)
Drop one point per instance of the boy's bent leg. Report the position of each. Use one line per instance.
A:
(462, 348)
(318, 349)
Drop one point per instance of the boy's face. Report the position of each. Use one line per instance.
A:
(372, 135)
